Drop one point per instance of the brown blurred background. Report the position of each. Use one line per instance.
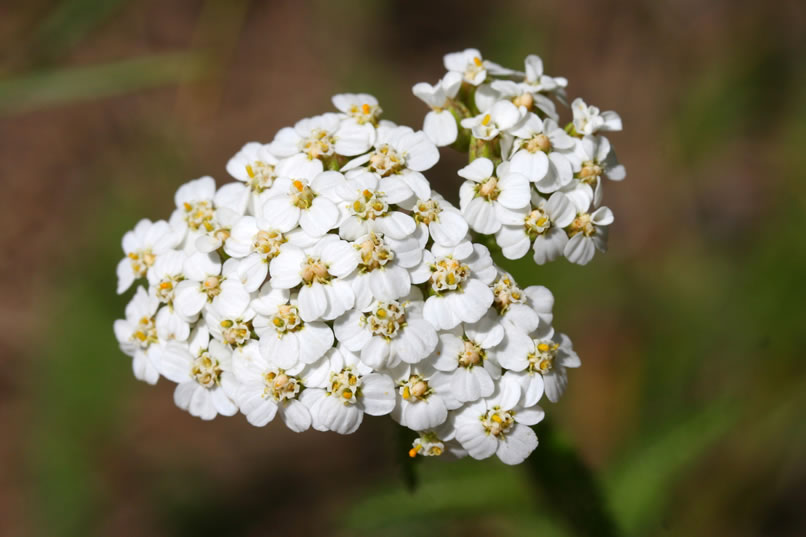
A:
(690, 402)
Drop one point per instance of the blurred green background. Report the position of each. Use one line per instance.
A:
(690, 405)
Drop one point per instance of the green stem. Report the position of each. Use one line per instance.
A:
(484, 148)
(408, 470)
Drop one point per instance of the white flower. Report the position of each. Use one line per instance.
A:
(540, 363)
(201, 285)
(467, 359)
(267, 388)
(598, 159)
(587, 233)
(438, 219)
(499, 425)
(208, 214)
(171, 326)
(202, 371)
(165, 274)
(541, 228)
(362, 107)
(501, 117)
(537, 81)
(350, 390)
(307, 201)
(383, 269)
(321, 269)
(229, 314)
(489, 201)
(519, 94)
(427, 444)
(255, 166)
(470, 65)
(512, 304)
(402, 152)
(137, 335)
(142, 247)
(589, 120)
(323, 136)
(543, 152)
(388, 332)
(367, 201)
(423, 396)
(257, 246)
(285, 339)
(440, 123)
(529, 92)
(459, 279)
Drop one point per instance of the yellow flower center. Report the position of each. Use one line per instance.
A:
(415, 389)
(206, 370)
(261, 176)
(582, 224)
(268, 243)
(497, 422)
(471, 355)
(319, 144)
(346, 385)
(374, 253)
(506, 292)
(314, 270)
(369, 205)
(427, 211)
(448, 274)
(386, 161)
(542, 359)
(539, 142)
(287, 319)
(387, 319)
(281, 386)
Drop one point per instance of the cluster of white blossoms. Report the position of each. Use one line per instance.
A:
(329, 281)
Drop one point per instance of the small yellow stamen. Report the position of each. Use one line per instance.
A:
(543, 347)
(477, 61)
(496, 418)
(298, 185)
(365, 108)
(250, 171)
(413, 451)
(485, 120)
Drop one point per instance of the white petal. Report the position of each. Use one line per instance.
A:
(579, 249)
(517, 445)
(285, 268)
(296, 416)
(377, 394)
(425, 414)
(440, 127)
(312, 302)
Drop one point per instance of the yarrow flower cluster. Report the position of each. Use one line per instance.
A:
(329, 281)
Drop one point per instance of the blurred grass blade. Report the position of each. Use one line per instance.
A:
(569, 486)
(67, 24)
(640, 487)
(61, 86)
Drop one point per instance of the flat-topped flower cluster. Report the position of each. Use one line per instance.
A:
(329, 281)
